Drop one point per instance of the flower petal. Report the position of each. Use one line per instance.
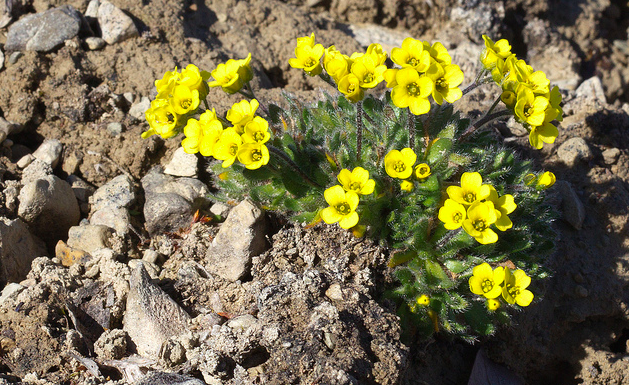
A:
(349, 221)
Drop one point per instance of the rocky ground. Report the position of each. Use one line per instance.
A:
(98, 232)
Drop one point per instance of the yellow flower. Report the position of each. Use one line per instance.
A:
(472, 189)
(184, 99)
(307, 40)
(492, 304)
(242, 113)
(399, 164)
(253, 155)
(480, 216)
(452, 214)
(307, 56)
(411, 55)
(376, 52)
(422, 171)
(349, 85)
(194, 79)
(226, 149)
(447, 80)
(546, 180)
(555, 100)
(546, 133)
(256, 131)
(407, 186)
(357, 181)
(342, 208)
(412, 91)
(166, 84)
(486, 282)
(162, 119)
(438, 52)
(202, 134)
(505, 205)
(369, 74)
(423, 300)
(494, 51)
(389, 77)
(232, 75)
(530, 108)
(335, 63)
(514, 289)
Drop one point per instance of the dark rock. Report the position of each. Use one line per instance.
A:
(44, 31)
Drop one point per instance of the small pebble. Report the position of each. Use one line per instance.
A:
(610, 156)
(115, 128)
(25, 161)
(581, 291)
(95, 43)
(578, 278)
(15, 56)
(8, 143)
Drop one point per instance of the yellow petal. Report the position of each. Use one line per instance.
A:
(525, 298)
(345, 178)
(334, 195)
(330, 215)
(349, 221)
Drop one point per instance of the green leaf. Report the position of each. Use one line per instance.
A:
(437, 275)
(438, 150)
(479, 320)
(431, 184)
(402, 256)
(456, 266)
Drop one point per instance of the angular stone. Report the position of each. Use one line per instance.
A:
(95, 43)
(138, 109)
(115, 25)
(592, 88)
(18, 248)
(111, 345)
(240, 237)
(69, 256)
(118, 192)
(44, 31)
(571, 206)
(36, 169)
(89, 238)
(49, 152)
(167, 212)
(610, 156)
(182, 164)
(574, 150)
(114, 217)
(152, 317)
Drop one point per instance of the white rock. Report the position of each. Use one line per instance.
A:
(89, 238)
(115, 25)
(610, 156)
(10, 290)
(182, 164)
(114, 217)
(115, 128)
(92, 9)
(49, 152)
(18, 248)
(592, 88)
(1, 60)
(138, 109)
(25, 160)
(95, 43)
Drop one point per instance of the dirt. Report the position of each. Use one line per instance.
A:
(577, 334)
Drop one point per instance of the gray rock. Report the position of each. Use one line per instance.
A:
(11, 194)
(592, 88)
(574, 150)
(37, 169)
(242, 323)
(118, 192)
(1, 60)
(150, 255)
(7, 128)
(138, 109)
(115, 128)
(220, 209)
(89, 238)
(25, 160)
(182, 164)
(111, 345)
(49, 207)
(115, 25)
(167, 212)
(151, 268)
(95, 43)
(152, 317)
(18, 248)
(173, 353)
(92, 9)
(610, 156)
(117, 218)
(49, 152)
(161, 378)
(14, 57)
(44, 31)
(240, 237)
(572, 208)
(11, 290)
(129, 97)
(82, 190)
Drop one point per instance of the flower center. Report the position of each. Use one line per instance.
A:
(479, 225)
(399, 166)
(256, 155)
(412, 89)
(412, 61)
(311, 62)
(441, 85)
(233, 149)
(186, 103)
(368, 78)
(423, 170)
(343, 208)
(170, 118)
(470, 197)
(258, 136)
(487, 285)
(351, 88)
(528, 110)
(354, 186)
(456, 218)
(513, 290)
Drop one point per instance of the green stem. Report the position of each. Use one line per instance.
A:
(327, 78)
(207, 106)
(359, 130)
(411, 130)
(484, 120)
(493, 106)
(282, 155)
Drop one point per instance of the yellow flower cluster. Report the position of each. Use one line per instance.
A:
(401, 165)
(425, 70)
(492, 283)
(343, 199)
(525, 91)
(475, 207)
(243, 141)
(541, 182)
(178, 94)
(232, 75)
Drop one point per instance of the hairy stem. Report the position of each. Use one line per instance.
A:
(359, 130)
(484, 120)
(411, 130)
(282, 155)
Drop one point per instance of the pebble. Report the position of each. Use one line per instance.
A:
(111, 345)
(89, 238)
(19, 249)
(220, 209)
(573, 211)
(35, 170)
(8, 143)
(7, 128)
(581, 291)
(574, 150)
(578, 278)
(118, 192)
(129, 97)
(115, 129)
(82, 190)
(610, 156)
(150, 256)
(14, 57)
(95, 43)
(92, 9)
(592, 88)
(173, 353)
(161, 378)
(242, 323)
(182, 164)
(49, 151)
(115, 25)
(25, 160)
(151, 268)
(68, 256)
(241, 236)
(10, 290)
(44, 31)
(334, 292)
(117, 218)
(138, 109)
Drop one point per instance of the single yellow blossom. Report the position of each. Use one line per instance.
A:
(162, 119)
(480, 216)
(423, 300)
(226, 149)
(411, 55)
(505, 205)
(349, 85)
(184, 100)
(307, 40)
(399, 164)
(494, 51)
(529, 108)
(389, 77)
(545, 180)
(472, 189)
(232, 75)
(492, 304)
(194, 79)
(555, 100)
(357, 181)
(202, 135)
(514, 289)
(438, 52)
(342, 207)
(447, 80)
(546, 133)
(412, 91)
(308, 58)
(452, 214)
(422, 171)
(368, 72)
(256, 131)
(407, 186)
(166, 84)
(336, 64)
(242, 113)
(486, 282)
(376, 52)
(253, 155)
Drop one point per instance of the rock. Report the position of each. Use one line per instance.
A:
(241, 236)
(610, 156)
(11, 290)
(242, 323)
(167, 212)
(173, 353)
(182, 164)
(25, 160)
(14, 57)
(151, 268)
(49, 152)
(69, 256)
(366, 34)
(71, 160)
(18, 248)
(220, 209)
(111, 345)
(115, 217)
(95, 43)
(572, 208)
(11, 194)
(37, 169)
(574, 150)
(44, 31)
(129, 97)
(592, 88)
(89, 238)
(92, 9)
(138, 109)
(82, 190)
(7, 128)
(150, 255)
(115, 128)
(152, 317)
(161, 378)
(49, 207)
(115, 25)
(118, 192)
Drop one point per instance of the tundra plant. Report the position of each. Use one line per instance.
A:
(464, 217)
